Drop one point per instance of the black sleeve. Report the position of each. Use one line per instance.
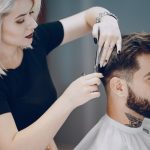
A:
(4, 106)
(48, 36)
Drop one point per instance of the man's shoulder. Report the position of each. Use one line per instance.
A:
(102, 136)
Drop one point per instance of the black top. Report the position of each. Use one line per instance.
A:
(27, 91)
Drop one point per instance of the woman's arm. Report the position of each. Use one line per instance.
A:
(84, 22)
(80, 24)
(38, 135)
(52, 145)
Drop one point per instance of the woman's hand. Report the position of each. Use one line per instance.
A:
(83, 89)
(109, 36)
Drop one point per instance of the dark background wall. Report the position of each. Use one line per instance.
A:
(67, 62)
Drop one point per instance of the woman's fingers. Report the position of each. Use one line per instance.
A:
(93, 88)
(109, 37)
(104, 52)
(94, 95)
(94, 81)
(83, 89)
(92, 75)
(95, 33)
(119, 45)
(109, 51)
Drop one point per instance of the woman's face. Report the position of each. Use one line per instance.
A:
(18, 25)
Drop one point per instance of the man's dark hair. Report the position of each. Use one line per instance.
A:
(125, 64)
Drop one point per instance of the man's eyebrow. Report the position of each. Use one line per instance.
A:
(148, 74)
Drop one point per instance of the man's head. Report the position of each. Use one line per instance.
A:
(127, 75)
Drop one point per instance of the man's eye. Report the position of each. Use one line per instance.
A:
(20, 21)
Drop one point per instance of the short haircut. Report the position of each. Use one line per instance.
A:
(125, 64)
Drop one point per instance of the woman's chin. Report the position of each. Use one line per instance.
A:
(28, 46)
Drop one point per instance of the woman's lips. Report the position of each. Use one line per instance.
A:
(29, 36)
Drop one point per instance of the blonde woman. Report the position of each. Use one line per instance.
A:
(28, 120)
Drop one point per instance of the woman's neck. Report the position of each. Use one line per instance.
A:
(10, 57)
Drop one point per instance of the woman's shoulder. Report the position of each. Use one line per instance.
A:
(48, 36)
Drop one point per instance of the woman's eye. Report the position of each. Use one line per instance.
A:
(32, 12)
(20, 21)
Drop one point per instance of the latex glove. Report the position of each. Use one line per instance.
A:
(109, 36)
(83, 90)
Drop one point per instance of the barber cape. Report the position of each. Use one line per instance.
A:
(109, 134)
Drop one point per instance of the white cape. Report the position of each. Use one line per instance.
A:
(109, 134)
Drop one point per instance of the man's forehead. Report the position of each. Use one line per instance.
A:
(144, 64)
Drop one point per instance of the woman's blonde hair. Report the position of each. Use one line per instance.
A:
(5, 8)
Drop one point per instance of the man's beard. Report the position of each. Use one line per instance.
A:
(138, 104)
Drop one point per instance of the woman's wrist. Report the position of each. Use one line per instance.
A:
(92, 13)
(106, 14)
(99, 14)
(66, 103)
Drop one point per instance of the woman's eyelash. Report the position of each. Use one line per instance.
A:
(20, 21)
(32, 12)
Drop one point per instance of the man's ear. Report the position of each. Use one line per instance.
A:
(118, 86)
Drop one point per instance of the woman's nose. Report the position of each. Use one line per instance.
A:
(32, 24)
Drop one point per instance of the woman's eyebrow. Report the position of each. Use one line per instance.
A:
(23, 14)
(20, 16)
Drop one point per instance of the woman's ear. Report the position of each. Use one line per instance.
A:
(118, 86)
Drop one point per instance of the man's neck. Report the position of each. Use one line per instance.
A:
(118, 111)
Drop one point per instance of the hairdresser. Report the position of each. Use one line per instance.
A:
(30, 112)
